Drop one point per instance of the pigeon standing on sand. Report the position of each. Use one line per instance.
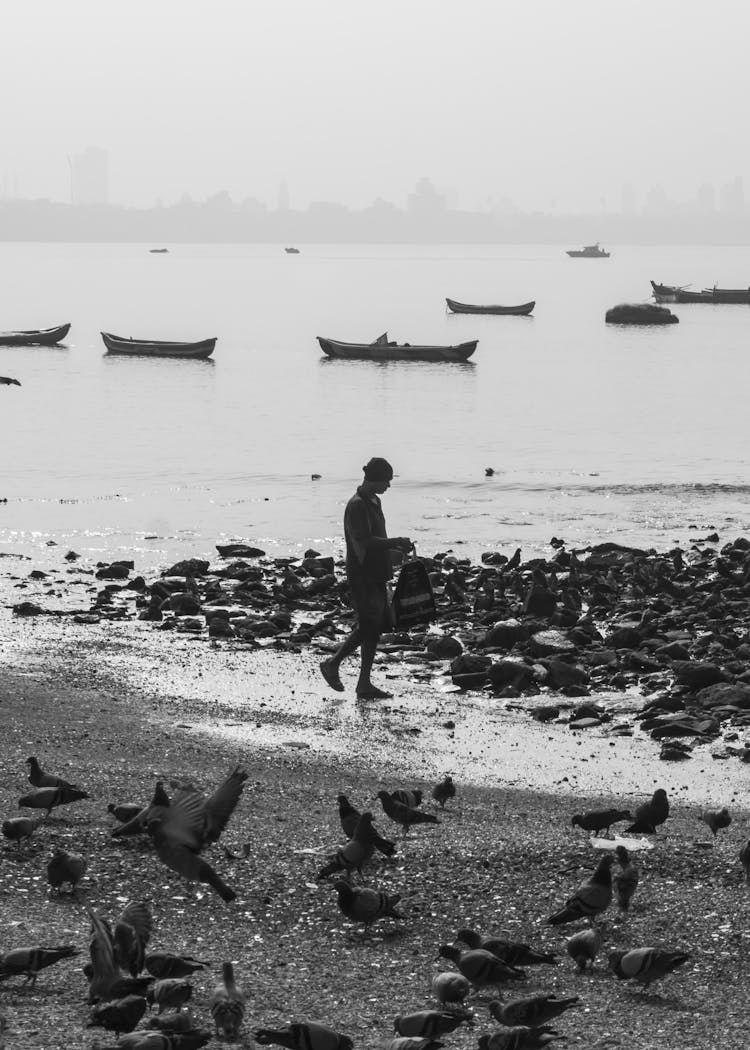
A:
(304, 1035)
(717, 819)
(165, 964)
(584, 946)
(125, 811)
(449, 987)
(411, 797)
(30, 961)
(131, 936)
(406, 816)
(355, 854)
(119, 1015)
(431, 1023)
(19, 828)
(39, 779)
(480, 968)
(361, 904)
(227, 1005)
(625, 881)
(511, 952)
(66, 867)
(170, 993)
(444, 790)
(599, 820)
(532, 1010)
(591, 898)
(49, 797)
(646, 964)
(649, 815)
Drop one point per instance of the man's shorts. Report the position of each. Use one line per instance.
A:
(371, 601)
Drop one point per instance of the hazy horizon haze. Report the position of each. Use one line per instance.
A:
(554, 106)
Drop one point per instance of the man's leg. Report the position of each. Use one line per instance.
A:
(365, 689)
(330, 668)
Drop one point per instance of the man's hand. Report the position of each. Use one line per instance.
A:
(401, 543)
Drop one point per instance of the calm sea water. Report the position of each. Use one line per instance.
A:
(594, 432)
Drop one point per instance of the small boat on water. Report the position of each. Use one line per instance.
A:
(728, 295)
(640, 313)
(35, 337)
(590, 251)
(115, 344)
(668, 293)
(468, 308)
(7, 381)
(383, 350)
(292, 251)
(158, 251)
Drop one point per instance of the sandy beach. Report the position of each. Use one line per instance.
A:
(114, 706)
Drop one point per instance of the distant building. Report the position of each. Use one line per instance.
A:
(425, 201)
(657, 202)
(706, 199)
(732, 197)
(89, 177)
(282, 202)
(628, 200)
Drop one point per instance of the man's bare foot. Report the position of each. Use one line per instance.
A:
(371, 692)
(331, 674)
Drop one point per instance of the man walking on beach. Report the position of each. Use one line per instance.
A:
(368, 570)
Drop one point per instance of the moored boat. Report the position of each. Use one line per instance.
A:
(158, 251)
(292, 251)
(590, 251)
(468, 308)
(35, 337)
(383, 350)
(728, 295)
(640, 313)
(115, 344)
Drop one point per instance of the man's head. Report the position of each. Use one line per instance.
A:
(378, 473)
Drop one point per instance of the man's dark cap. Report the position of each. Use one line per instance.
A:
(378, 469)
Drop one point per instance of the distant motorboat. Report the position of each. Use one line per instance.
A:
(292, 251)
(158, 251)
(157, 348)
(468, 308)
(35, 337)
(590, 251)
(383, 350)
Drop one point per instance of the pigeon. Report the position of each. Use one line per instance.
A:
(518, 1038)
(49, 797)
(646, 964)
(304, 1035)
(532, 1010)
(125, 811)
(170, 837)
(481, 968)
(165, 964)
(131, 936)
(65, 867)
(716, 819)
(745, 860)
(514, 561)
(227, 1004)
(649, 815)
(360, 904)
(354, 855)
(404, 815)
(104, 972)
(39, 779)
(625, 881)
(173, 1022)
(119, 1015)
(598, 820)
(511, 952)
(591, 898)
(7, 381)
(443, 791)
(170, 993)
(413, 1042)
(431, 1023)
(583, 947)
(30, 961)
(19, 828)
(449, 987)
(349, 817)
(412, 798)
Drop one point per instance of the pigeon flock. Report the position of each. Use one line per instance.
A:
(143, 998)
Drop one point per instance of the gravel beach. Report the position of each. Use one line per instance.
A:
(503, 858)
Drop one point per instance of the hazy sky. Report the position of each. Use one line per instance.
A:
(541, 100)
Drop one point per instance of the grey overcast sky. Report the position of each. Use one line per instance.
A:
(549, 102)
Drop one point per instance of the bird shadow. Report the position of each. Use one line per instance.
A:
(663, 1001)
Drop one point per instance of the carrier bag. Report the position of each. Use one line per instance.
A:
(413, 600)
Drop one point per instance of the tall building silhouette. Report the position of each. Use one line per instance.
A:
(89, 177)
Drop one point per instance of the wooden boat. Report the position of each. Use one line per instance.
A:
(292, 251)
(158, 251)
(666, 293)
(590, 251)
(383, 350)
(35, 337)
(728, 295)
(7, 381)
(468, 308)
(640, 313)
(115, 344)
